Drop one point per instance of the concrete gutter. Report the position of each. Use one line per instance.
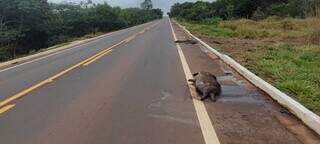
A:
(308, 117)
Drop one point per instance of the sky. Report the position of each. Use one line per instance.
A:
(162, 4)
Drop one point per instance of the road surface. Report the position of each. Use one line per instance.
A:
(130, 88)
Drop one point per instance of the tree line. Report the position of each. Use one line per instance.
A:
(29, 25)
(251, 9)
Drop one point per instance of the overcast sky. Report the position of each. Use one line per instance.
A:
(163, 4)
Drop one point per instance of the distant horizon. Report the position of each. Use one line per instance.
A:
(165, 5)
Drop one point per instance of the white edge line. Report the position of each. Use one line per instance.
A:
(56, 51)
(308, 117)
(208, 132)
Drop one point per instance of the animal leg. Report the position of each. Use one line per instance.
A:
(205, 95)
(193, 82)
(195, 74)
(203, 98)
(213, 97)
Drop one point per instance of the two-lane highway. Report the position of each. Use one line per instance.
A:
(134, 94)
(17, 78)
(130, 87)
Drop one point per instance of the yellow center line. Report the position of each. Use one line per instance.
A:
(17, 96)
(130, 38)
(4, 104)
(30, 89)
(6, 108)
(96, 58)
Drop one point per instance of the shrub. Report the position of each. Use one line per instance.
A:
(212, 21)
(272, 18)
(5, 53)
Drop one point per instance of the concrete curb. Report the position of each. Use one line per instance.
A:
(309, 118)
(51, 50)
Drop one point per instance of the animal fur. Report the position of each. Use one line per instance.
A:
(206, 85)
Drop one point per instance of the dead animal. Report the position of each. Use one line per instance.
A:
(206, 85)
(188, 41)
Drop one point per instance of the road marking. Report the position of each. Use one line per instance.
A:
(131, 38)
(102, 53)
(6, 108)
(68, 49)
(51, 79)
(208, 132)
(52, 54)
(98, 57)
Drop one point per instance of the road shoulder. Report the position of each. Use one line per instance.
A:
(244, 114)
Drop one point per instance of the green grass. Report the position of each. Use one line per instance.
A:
(207, 29)
(290, 65)
(295, 70)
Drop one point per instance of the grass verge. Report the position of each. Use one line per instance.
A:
(294, 70)
(284, 52)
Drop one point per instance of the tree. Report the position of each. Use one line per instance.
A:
(29, 25)
(245, 8)
(146, 5)
(251, 9)
(27, 18)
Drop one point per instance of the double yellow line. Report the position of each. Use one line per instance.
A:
(5, 104)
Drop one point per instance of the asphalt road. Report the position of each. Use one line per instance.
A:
(134, 93)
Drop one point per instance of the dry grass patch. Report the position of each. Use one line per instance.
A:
(270, 28)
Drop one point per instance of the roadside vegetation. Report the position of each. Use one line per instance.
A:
(27, 26)
(277, 40)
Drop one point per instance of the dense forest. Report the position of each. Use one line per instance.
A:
(29, 25)
(250, 9)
